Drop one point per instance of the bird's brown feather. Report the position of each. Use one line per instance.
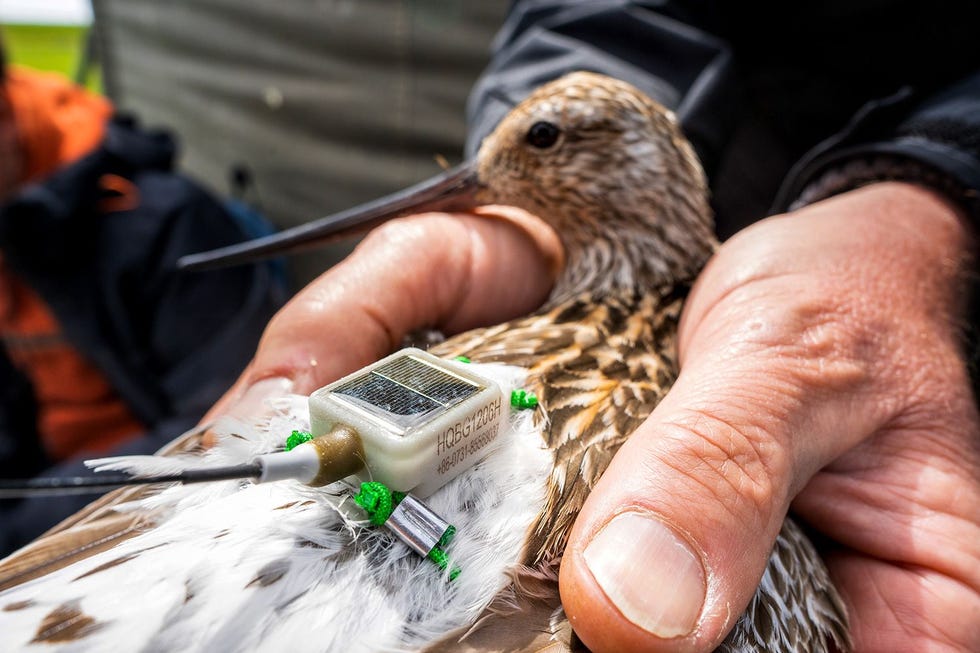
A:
(598, 367)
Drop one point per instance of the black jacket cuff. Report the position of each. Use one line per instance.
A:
(935, 143)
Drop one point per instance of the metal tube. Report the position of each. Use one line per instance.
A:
(417, 525)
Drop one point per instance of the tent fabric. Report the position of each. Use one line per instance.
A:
(322, 104)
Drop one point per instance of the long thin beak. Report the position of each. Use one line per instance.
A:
(453, 190)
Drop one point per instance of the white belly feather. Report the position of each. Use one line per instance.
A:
(282, 566)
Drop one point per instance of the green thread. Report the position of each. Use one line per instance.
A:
(297, 438)
(377, 501)
(438, 556)
(447, 537)
(522, 399)
(462, 359)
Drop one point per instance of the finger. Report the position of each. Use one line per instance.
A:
(905, 608)
(904, 508)
(449, 272)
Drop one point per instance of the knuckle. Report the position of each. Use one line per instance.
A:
(738, 463)
(816, 339)
(936, 416)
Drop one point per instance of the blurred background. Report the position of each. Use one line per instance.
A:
(49, 35)
(269, 100)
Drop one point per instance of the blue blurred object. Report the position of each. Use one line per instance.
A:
(256, 225)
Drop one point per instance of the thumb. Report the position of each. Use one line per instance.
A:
(671, 545)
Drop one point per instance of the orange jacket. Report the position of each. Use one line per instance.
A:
(56, 123)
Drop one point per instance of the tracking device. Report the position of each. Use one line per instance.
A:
(421, 420)
(412, 421)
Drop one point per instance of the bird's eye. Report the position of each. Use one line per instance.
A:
(542, 134)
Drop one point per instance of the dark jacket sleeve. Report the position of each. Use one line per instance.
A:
(933, 140)
(169, 343)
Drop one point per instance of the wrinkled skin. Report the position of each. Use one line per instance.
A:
(821, 372)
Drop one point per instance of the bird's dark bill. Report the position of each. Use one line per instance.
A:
(453, 190)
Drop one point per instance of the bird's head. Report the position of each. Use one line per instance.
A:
(594, 157)
(609, 169)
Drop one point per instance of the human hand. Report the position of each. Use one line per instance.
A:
(821, 369)
(450, 272)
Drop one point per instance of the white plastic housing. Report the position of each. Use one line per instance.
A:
(422, 420)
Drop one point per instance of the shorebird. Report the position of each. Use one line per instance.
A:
(236, 566)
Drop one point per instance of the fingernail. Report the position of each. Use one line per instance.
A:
(253, 402)
(649, 573)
